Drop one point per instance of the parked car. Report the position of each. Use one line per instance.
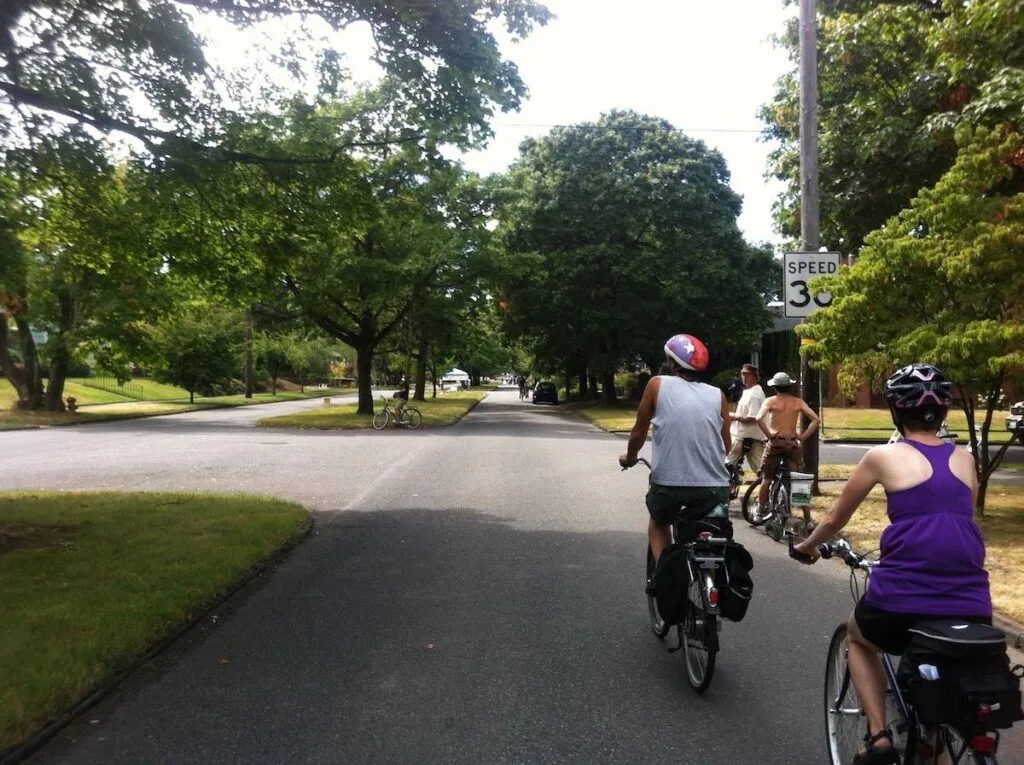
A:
(545, 391)
(1015, 420)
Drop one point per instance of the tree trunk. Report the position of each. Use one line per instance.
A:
(593, 385)
(248, 353)
(273, 383)
(25, 378)
(421, 367)
(191, 397)
(364, 362)
(568, 383)
(608, 383)
(582, 376)
(61, 361)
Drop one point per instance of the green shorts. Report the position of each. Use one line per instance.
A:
(665, 502)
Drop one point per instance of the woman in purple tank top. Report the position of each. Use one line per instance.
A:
(932, 556)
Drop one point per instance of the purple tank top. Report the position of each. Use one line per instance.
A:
(932, 555)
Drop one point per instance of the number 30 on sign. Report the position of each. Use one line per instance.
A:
(798, 269)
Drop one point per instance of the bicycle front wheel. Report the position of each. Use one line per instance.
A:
(380, 419)
(658, 626)
(700, 646)
(412, 417)
(749, 505)
(779, 502)
(845, 723)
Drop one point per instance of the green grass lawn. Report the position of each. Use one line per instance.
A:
(90, 581)
(443, 410)
(124, 409)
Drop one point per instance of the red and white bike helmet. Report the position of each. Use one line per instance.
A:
(688, 352)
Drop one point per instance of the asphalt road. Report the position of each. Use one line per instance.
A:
(469, 595)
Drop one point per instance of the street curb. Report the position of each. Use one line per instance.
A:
(30, 746)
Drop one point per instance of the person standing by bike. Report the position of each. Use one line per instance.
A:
(521, 381)
(691, 438)
(932, 555)
(401, 398)
(778, 420)
(744, 428)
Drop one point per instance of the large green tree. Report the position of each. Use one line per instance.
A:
(941, 282)
(621, 233)
(78, 269)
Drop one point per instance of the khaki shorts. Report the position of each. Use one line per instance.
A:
(755, 456)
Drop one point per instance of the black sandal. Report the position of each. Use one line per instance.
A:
(875, 756)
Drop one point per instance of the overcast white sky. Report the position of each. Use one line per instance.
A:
(704, 65)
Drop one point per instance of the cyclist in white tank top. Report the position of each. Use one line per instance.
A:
(691, 439)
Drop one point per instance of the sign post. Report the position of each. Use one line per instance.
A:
(799, 268)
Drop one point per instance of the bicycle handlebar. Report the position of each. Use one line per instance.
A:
(841, 549)
(638, 460)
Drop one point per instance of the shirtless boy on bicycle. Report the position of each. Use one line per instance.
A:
(778, 419)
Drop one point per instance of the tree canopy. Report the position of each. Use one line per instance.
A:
(941, 283)
(140, 67)
(621, 233)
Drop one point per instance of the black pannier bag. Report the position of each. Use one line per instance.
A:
(735, 585)
(958, 673)
(671, 583)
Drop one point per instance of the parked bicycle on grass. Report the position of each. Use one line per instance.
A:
(407, 417)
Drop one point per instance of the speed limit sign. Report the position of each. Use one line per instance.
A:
(798, 270)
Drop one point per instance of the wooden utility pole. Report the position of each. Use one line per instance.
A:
(809, 211)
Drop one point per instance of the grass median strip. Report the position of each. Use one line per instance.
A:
(1002, 528)
(90, 581)
(128, 409)
(443, 410)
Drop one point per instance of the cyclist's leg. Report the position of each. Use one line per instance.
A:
(768, 467)
(663, 506)
(870, 631)
(755, 457)
(735, 455)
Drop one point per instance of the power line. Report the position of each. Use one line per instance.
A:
(531, 125)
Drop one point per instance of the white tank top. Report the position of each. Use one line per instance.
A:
(688, 449)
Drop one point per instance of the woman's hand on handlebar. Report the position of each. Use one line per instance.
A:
(804, 553)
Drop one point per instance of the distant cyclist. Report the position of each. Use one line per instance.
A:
(932, 556)
(401, 398)
(691, 438)
(521, 381)
(744, 429)
(778, 419)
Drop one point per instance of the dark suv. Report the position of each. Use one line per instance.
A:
(545, 391)
(1015, 420)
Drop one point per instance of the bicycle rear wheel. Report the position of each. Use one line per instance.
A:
(658, 626)
(412, 417)
(958, 751)
(845, 723)
(749, 505)
(700, 645)
(380, 419)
